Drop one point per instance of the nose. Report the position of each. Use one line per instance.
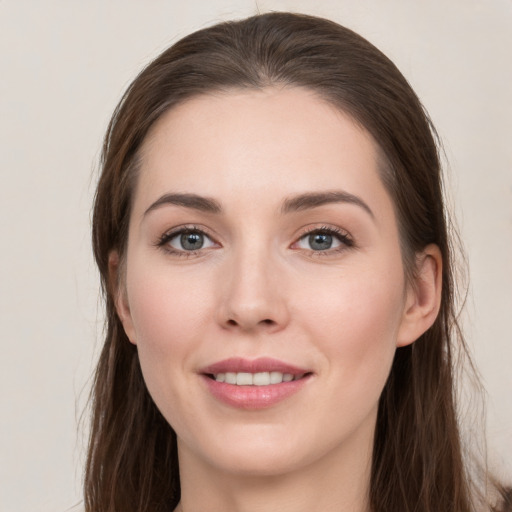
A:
(253, 295)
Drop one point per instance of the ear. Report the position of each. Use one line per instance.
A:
(423, 297)
(117, 286)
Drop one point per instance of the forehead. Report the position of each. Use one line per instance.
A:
(276, 141)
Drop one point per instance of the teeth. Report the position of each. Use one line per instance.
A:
(276, 377)
(243, 379)
(261, 379)
(230, 378)
(255, 379)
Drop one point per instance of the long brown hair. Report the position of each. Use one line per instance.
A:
(417, 462)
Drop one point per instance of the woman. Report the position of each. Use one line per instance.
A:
(270, 231)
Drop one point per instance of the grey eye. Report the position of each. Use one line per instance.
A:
(320, 241)
(191, 241)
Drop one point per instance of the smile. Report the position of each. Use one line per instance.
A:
(255, 379)
(254, 384)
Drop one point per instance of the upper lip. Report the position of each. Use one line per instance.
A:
(262, 364)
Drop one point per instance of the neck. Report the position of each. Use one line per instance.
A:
(338, 482)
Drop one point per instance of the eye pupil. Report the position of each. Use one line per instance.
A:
(192, 241)
(320, 241)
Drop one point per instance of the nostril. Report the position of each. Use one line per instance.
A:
(249, 323)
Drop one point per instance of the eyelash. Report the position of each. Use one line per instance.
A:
(163, 241)
(344, 238)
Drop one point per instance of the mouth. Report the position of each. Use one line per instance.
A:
(254, 384)
(255, 379)
(264, 371)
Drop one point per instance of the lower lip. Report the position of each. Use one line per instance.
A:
(254, 397)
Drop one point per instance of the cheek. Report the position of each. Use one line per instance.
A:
(355, 323)
(165, 308)
(169, 320)
(366, 306)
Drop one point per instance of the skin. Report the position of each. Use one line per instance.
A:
(257, 288)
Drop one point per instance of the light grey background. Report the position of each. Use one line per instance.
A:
(63, 67)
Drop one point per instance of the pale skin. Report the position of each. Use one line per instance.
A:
(259, 284)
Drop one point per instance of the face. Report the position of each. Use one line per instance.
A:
(263, 283)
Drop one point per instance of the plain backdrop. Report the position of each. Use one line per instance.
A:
(63, 67)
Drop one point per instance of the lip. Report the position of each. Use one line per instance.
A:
(262, 364)
(253, 397)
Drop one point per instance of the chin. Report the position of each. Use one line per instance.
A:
(258, 463)
(256, 451)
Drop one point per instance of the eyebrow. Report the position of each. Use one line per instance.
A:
(203, 204)
(316, 199)
(293, 204)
